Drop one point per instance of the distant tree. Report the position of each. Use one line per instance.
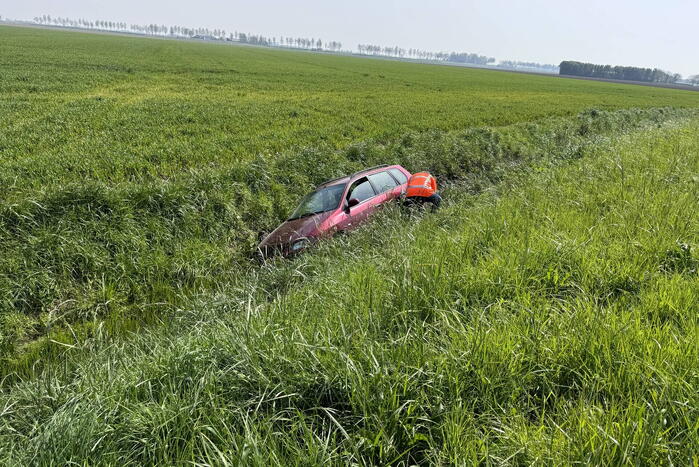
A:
(514, 65)
(694, 80)
(470, 58)
(625, 73)
(181, 31)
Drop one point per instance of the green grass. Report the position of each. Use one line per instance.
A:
(120, 109)
(551, 319)
(136, 174)
(547, 315)
(118, 257)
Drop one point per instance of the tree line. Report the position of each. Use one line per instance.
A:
(294, 42)
(572, 68)
(516, 65)
(470, 58)
(626, 73)
(398, 52)
(255, 39)
(192, 33)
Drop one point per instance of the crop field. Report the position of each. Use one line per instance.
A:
(119, 109)
(547, 315)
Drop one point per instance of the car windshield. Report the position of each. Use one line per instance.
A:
(323, 200)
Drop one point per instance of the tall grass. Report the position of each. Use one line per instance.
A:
(93, 254)
(550, 319)
(136, 174)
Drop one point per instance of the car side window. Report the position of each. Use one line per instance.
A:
(361, 190)
(400, 176)
(382, 181)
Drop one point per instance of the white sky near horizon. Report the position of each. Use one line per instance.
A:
(662, 34)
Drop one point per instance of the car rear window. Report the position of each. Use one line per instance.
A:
(382, 181)
(400, 176)
(362, 190)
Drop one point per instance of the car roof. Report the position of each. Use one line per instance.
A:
(360, 173)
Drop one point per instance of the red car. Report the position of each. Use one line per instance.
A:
(336, 206)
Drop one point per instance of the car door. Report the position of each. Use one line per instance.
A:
(386, 185)
(363, 191)
(401, 178)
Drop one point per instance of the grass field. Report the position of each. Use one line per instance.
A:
(547, 315)
(119, 109)
(550, 321)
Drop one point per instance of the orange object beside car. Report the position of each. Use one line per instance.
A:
(421, 184)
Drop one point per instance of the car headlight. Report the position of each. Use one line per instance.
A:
(299, 245)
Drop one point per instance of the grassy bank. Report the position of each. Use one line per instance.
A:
(136, 174)
(551, 319)
(120, 256)
(548, 315)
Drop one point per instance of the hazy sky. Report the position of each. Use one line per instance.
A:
(649, 33)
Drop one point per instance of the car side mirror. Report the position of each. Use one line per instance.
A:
(352, 203)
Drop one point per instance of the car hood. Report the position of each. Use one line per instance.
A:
(292, 230)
